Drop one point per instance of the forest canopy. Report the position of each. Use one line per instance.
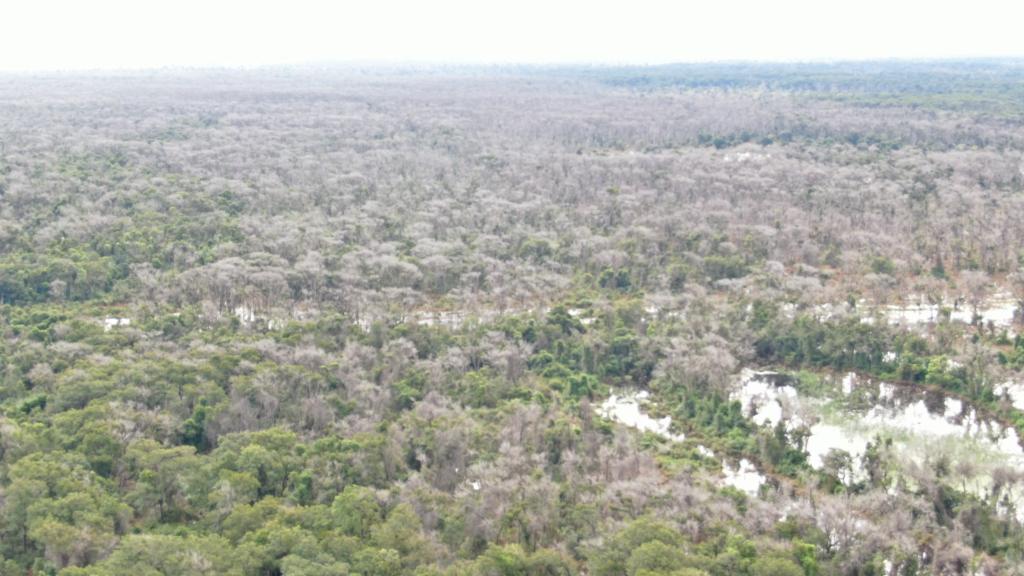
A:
(382, 321)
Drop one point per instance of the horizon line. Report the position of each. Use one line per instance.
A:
(426, 65)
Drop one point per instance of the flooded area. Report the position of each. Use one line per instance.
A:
(110, 323)
(743, 477)
(922, 428)
(628, 409)
(769, 398)
(840, 429)
(1012, 391)
(455, 319)
(741, 157)
(999, 311)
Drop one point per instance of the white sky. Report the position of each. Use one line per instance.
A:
(84, 34)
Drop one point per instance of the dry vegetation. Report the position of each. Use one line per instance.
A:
(368, 312)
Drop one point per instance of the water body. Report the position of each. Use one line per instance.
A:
(1014, 391)
(630, 408)
(923, 426)
(999, 310)
(744, 477)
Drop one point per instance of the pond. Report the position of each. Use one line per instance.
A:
(837, 426)
(923, 428)
(630, 408)
(627, 408)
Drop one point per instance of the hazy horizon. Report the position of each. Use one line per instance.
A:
(59, 35)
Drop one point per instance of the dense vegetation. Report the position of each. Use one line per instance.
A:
(329, 322)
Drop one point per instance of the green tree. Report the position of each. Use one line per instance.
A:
(163, 555)
(775, 567)
(655, 557)
(356, 511)
(612, 558)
